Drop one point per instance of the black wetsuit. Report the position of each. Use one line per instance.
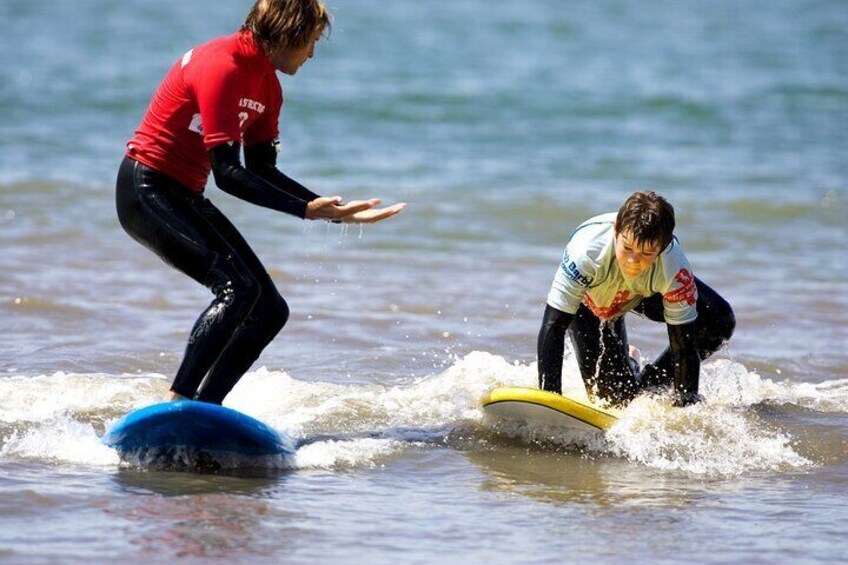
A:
(188, 232)
(602, 353)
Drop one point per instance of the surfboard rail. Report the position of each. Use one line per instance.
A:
(534, 405)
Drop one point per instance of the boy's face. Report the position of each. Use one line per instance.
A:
(289, 59)
(634, 256)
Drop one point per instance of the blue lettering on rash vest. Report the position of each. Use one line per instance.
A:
(570, 269)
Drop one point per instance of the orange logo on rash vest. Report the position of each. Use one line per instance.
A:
(687, 291)
(607, 312)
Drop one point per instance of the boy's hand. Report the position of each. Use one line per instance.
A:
(374, 215)
(686, 399)
(354, 212)
(331, 208)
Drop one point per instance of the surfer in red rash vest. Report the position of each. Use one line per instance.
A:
(218, 97)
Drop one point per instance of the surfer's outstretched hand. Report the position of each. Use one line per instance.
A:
(373, 215)
(355, 212)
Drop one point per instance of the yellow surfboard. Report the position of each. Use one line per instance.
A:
(543, 407)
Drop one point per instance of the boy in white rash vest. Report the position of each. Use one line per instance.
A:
(615, 263)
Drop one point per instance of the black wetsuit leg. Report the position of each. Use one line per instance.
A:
(188, 232)
(266, 319)
(602, 354)
(714, 326)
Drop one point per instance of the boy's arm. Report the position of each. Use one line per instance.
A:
(261, 159)
(550, 348)
(242, 183)
(687, 363)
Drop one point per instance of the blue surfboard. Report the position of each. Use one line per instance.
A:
(193, 425)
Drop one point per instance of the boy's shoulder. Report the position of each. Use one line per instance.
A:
(599, 222)
(593, 237)
(671, 262)
(587, 256)
(599, 227)
(674, 252)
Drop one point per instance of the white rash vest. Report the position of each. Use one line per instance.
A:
(589, 274)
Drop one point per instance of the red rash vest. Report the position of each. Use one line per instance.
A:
(224, 90)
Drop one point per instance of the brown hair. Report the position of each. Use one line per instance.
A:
(277, 24)
(647, 217)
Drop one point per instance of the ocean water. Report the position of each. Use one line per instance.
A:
(503, 125)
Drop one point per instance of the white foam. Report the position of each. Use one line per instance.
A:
(43, 397)
(728, 383)
(705, 439)
(60, 440)
(58, 417)
(333, 454)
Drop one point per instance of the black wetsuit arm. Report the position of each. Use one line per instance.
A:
(550, 348)
(262, 160)
(687, 363)
(234, 179)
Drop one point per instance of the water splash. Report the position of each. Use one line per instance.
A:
(60, 417)
(59, 440)
(704, 439)
(727, 383)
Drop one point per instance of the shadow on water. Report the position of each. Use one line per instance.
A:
(563, 470)
(199, 517)
(138, 480)
(178, 471)
(566, 477)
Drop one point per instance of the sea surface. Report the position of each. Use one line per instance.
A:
(503, 125)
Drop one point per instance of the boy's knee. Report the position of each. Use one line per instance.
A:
(281, 311)
(717, 330)
(240, 293)
(728, 325)
(724, 321)
(717, 315)
(273, 310)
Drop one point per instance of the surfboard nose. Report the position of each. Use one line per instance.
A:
(190, 424)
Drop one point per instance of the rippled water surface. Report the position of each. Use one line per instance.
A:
(503, 125)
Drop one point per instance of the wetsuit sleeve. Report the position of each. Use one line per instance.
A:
(261, 159)
(687, 363)
(234, 179)
(551, 346)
